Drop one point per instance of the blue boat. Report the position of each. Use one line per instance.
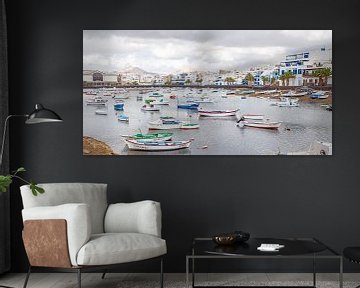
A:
(119, 106)
(192, 106)
(123, 118)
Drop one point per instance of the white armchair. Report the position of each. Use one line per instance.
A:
(72, 228)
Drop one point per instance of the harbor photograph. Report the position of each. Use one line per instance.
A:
(207, 92)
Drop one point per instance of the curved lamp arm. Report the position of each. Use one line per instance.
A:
(4, 134)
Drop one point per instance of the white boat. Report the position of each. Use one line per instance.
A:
(149, 108)
(120, 96)
(203, 100)
(96, 101)
(288, 103)
(260, 124)
(187, 126)
(253, 117)
(101, 112)
(157, 146)
(294, 94)
(164, 125)
(161, 101)
(319, 95)
(217, 113)
(267, 91)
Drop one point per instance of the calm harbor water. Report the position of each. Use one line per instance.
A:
(301, 126)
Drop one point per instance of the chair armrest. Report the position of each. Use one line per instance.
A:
(78, 223)
(138, 217)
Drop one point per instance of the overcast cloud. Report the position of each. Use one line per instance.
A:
(171, 51)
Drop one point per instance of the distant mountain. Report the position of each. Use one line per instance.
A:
(135, 70)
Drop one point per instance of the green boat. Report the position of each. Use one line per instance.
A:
(149, 137)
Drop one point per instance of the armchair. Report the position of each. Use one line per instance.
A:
(71, 228)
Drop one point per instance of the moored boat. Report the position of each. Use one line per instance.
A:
(217, 113)
(157, 145)
(123, 118)
(149, 108)
(259, 124)
(190, 126)
(164, 124)
(294, 94)
(119, 106)
(191, 106)
(101, 112)
(253, 117)
(150, 137)
(288, 103)
(120, 96)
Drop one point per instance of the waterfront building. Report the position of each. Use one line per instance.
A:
(96, 78)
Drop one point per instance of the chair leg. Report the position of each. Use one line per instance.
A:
(79, 277)
(161, 273)
(27, 277)
(103, 275)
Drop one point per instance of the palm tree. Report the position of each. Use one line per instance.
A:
(272, 81)
(249, 78)
(187, 82)
(282, 78)
(265, 79)
(288, 75)
(326, 73)
(229, 80)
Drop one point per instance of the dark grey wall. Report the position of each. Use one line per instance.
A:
(268, 196)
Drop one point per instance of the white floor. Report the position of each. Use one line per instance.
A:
(118, 280)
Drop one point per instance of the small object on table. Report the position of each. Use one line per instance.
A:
(270, 247)
(231, 238)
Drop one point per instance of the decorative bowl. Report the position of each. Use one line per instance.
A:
(231, 238)
(225, 239)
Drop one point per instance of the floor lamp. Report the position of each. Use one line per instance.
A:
(39, 115)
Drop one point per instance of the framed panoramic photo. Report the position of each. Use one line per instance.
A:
(207, 92)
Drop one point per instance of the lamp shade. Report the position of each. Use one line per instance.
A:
(42, 115)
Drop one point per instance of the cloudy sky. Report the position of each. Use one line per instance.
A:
(171, 51)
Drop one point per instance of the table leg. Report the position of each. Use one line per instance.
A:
(187, 272)
(341, 273)
(193, 272)
(314, 271)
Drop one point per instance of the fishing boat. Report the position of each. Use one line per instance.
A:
(319, 95)
(123, 118)
(267, 91)
(294, 94)
(164, 125)
(259, 124)
(253, 117)
(151, 137)
(101, 112)
(149, 108)
(191, 106)
(201, 100)
(217, 113)
(161, 101)
(288, 103)
(120, 96)
(230, 93)
(91, 92)
(157, 145)
(155, 95)
(190, 126)
(119, 106)
(97, 101)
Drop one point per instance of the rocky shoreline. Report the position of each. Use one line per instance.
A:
(93, 146)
